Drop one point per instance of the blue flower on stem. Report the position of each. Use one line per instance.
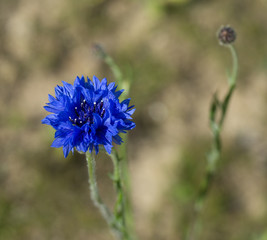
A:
(88, 114)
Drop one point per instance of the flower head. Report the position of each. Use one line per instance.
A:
(88, 114)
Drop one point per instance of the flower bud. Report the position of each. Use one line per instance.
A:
(226, 35)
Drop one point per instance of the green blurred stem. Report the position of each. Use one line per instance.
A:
(107, 215)
(114, 67)
(233, 77)
(214, 154)
(232, 85)
(122, 82)
(119, 210)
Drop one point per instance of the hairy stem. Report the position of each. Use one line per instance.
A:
(105, 212)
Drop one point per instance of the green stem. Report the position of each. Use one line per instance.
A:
(214, 154)
(119, 210)
(235, 65)
(114, 68)
(232, 84)
(107, 215)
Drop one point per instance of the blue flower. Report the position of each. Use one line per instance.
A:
(88, 114)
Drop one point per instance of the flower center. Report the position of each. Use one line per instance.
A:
(83, 113)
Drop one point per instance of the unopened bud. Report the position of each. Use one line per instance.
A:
(226, 35)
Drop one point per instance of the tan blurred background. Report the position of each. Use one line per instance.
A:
(169, 49)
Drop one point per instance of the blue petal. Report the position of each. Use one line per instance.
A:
(108, 148)
(58, 142)
(117, 139)
(66, 150)
(125, 104)
(58, 91)
(96, 82)
(91, 147)
(52, 109)
(96, 149)
(79, 82)
(111, 86)
(103, 84)
(50, 120)
(118, 93)
(51, 98)
(97, 120)
(68, 89)
(129, 113)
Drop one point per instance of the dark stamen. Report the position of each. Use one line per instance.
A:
(94, 106)
(101, 104)
(83, 103)
(103, 112)
(76, 111)
(84, 113)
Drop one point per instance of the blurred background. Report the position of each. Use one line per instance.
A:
(170, 51)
